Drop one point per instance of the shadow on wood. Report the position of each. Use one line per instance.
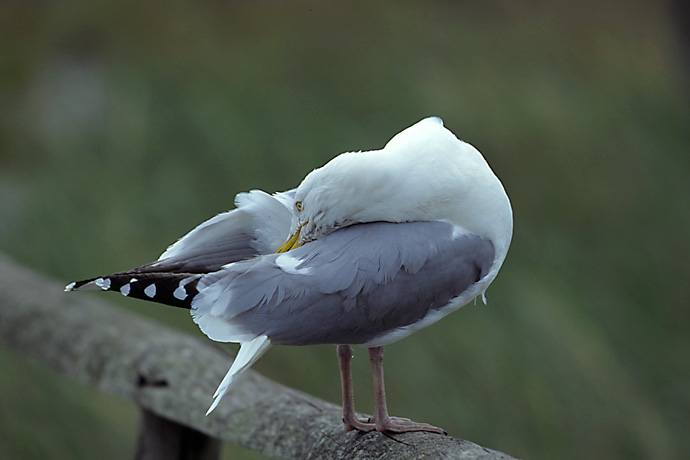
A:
(163, 439)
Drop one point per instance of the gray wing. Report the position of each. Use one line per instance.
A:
(348, 287)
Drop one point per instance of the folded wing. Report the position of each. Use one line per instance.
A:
(349, 287)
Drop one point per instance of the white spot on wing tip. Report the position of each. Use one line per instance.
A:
(103, 283)
(70, 286)
(125, 289)
(150, 290)
(180, 292)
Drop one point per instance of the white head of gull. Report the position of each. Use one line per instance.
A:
(368, 249)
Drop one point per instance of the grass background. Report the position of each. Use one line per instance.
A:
(125, 124)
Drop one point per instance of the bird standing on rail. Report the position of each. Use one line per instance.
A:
(368, 249)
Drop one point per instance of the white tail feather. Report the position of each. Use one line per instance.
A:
(248, 354)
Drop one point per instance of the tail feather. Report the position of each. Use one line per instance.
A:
(248, 354)
(176, 289)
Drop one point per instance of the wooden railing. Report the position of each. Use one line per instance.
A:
(171, 376)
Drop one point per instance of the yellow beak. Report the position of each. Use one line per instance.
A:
(291, 243)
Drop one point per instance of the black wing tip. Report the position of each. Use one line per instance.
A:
(77, 285)
(174, 289)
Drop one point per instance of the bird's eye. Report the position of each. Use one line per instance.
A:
(298, 205)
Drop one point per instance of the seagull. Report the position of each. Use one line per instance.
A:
(368, 249)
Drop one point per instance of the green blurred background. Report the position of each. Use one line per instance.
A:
(125, 124)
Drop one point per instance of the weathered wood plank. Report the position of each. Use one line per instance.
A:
(173, 376)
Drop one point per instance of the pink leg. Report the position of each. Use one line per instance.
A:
(383, 421)
(349, 416)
